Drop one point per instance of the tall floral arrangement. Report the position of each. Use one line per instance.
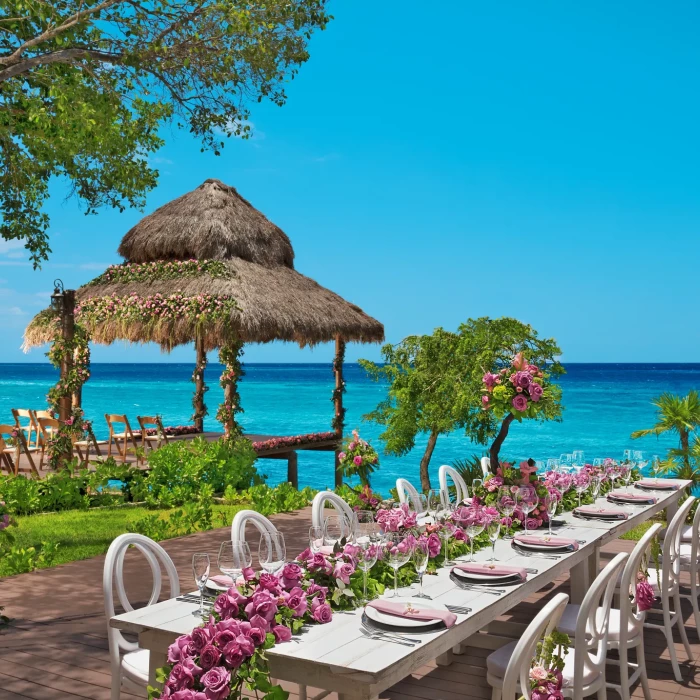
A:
(358, 458)
(230, 358)
(545, 674)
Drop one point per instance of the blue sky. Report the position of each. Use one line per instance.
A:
(463, 159)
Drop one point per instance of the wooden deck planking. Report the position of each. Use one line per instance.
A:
(57, 646)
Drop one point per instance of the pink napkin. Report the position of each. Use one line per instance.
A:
(546, 541)
(657, 484)
(222, 580)
(408, 611)
(606, 512)
(326, 550)
(624, 496)
(487, 569)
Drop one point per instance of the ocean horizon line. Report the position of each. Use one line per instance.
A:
(328, 362)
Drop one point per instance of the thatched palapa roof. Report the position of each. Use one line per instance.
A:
(275, 302)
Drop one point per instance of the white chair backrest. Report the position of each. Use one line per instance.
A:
(318, 514)
(592, 623)
(671, 558)
(486, 466)
(516, 681)
(695, 545)
(628, 583)
(113, 577)
(262, 524)
(460, 485)
(408, 494)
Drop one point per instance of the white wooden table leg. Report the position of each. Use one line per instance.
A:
(579, 581)
(458, 649)
(445, 659)
(594, 565)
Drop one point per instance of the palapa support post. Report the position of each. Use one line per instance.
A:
(292, 469)
(229, 356)
(200, 409)
(67, 333)
(339, 417)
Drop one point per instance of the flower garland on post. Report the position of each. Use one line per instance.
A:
(200, 408)
(229, 356)
(338, 422)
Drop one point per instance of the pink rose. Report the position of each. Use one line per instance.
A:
(357, 460)
(295, 600)
(209, 657)
(489, 380)
(341, 456)
(519, 403)
(344, 572)
(434, 545)
(536, 392)
(323, 613)
(282, 633)
(216, 683)
(179, 649)
(538, 673)
(645, 595)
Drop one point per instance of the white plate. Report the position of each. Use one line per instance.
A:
(599, 515)
(658, 487)
(543, 547)
(396, 621)
(483, 577)
(211, 585)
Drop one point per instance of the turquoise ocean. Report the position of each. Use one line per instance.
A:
(603, 404)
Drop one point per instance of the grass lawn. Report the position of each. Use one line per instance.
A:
(82, 534)
(636, 532)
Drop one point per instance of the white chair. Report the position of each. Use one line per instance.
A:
(408, 494)
(624, 636)
(486, 467)
(242, 518)
(689, 562)
(318, 515)
(669, 576)
(462, 492)
(507, 668)
(584, 670)
(130, 670)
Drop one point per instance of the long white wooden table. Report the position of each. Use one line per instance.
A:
(337, 657)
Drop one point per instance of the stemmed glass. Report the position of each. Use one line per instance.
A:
(421, 555)
(335, 529)
(233, 558)
(596, 483)
(200, 569)
(398, 553)
(272, 553)
(423, 500)
(434, 503)
(366, 558)
(528, 500)
(655, 466)
(565, 460)
(551, 503)
(552, 465)
(446, 527)
(577, 458)
(581, 483)
(640, 459)
(475, 526)
(626, 474)
(506, 504)
(493, 530)
(315, 538)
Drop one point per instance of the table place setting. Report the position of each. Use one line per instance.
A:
(656, 485)
(409, 617)
(636, 499)
(594, 512)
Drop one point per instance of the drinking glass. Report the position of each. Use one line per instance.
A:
(421, 556)
(447, 528)
(200, 569)
(626, 474)
(598, 462)
(640, 459)
(577, 458)
(565, 460)
(315, 538)
(505, 502)
(596, 483)
(627, 455)
(271, 552)
(434, 503)
(365, 527)
(552, 465)
(366, 558)
(655, 466)
(551, 503)
(475, 526)
(528, 500)
(493, 530)
(540, 466)
(336, 528)
(398, 552)
(233, 558)
(581, 483)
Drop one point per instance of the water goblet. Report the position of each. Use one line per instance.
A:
(581, 482)
(626, 474)
(200, 569)
(552, 465)
(421, 556)
(336, 528)
(640, 459)
(423, 500)
(366, 558)
(233, 558)
(551, 503)
(365, 526)
(528, 500)
(398, 551)
(655, 466)
(445, 520)
(477, 484)
(315, 538)
(493, 530)
(434, 503)
(505, 502)
(272, 553)
(565, 460)
(596, 483)
(474, 526)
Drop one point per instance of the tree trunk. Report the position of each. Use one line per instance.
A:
(199, 408)
(496, 446)
(685, 446)
(67, 332)
(425, 461)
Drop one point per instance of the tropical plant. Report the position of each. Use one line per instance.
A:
(675, 414)
(469, 469)
(86, 86)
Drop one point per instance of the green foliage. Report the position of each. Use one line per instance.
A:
(194, 516)
(87, 85)
(21, 560)
(283, 498)
(469, 469)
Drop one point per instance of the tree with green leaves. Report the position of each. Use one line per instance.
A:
(675, 414)
(86, 85)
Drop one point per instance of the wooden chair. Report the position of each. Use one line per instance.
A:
(160, 438)
(11, 453)
(30, 428)
(44, 414)
(125, 435)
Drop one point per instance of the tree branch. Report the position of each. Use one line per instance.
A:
(64, 56)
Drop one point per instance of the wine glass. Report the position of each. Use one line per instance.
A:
(366, 558)
(551, 503)
(577, 458)
(421, 556)
(626, 474)
(447, 528)
(315, 538)
(365, 526)
(528, 500)
(581, 483)
(233, 558)
(271, 552)
(475, 526)
(596, 483)
(565, 460)
(493, 530)
(200, 569)
(336, 528)
(505, 502)
(655, 466)
(540, 466)
(552, 465)
(423, 500)
(640, 459)
(434, 503)
(398, 553)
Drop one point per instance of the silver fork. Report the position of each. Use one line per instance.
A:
(538, 555)
(381, 633)
(481, 589)
(385, 638)
(458, 609)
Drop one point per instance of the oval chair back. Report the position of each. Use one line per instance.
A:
(671, 557)
(486, 467)
(408, 494)
(261, 523)
(462, 492)
(113, 577)
(516, 681)
(591, 638)
(318, 505)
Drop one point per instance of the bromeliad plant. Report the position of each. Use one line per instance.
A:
(358, 458)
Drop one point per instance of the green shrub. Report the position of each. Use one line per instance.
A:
(194, 516)
(22, 560)
(283, 498)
